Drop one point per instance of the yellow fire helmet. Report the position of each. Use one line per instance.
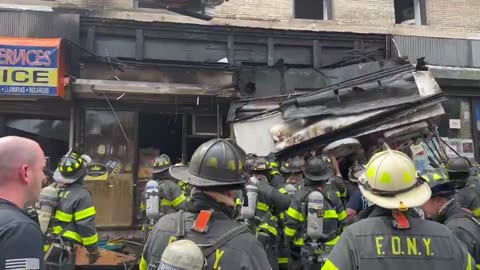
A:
(390, 181)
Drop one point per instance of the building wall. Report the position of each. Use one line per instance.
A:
(455, 16)
(458, 15)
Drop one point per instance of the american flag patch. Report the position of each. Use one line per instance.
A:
(22, 264)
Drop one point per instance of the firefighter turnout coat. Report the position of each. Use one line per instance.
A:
(74, 218)
(243, 251)
(375, 243)
(172, 196)
(334, 215)
(464, 226)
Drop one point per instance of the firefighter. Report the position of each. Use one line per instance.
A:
(215, 170)
(293, 171)
(444, 208)
(356, 201)
(269, 204)
(171, 194)
(459, 168)
(393, 236)
(315, 217)
(73, 223)
(276, 178)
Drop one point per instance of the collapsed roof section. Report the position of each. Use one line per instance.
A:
(379, 102)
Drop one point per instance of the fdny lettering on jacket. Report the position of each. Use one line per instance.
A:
(411, 246)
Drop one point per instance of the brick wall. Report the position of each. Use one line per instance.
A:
(451, 15)
(447, 15)
(256, 9)
(98, 4)
(457, 15)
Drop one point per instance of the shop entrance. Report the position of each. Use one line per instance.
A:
(161, 133)
(50, 134)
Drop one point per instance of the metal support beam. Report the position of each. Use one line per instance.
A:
(270, 52)
(139, 45)
(91, 38)
(184, 138)
(230, 50)
(317, 53)
(71, 135)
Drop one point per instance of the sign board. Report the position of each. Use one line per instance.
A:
(31, 67)
(455, 123)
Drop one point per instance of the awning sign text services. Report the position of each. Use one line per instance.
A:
(31, 67)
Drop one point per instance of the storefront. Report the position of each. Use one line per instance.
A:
(124, 126)
(459, 125)
(32, 93)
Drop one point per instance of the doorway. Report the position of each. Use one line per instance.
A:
(162, 132)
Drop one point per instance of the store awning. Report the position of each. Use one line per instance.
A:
(53, 129)
(84, 88)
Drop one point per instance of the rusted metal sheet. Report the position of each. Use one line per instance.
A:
(35, 24)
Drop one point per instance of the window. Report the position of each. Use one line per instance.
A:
(110, 141)
(313, 9)
(410, 12)
(456, 127)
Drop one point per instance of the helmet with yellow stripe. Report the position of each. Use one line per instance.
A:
(161, 164)
(390, 181)
(71, 168)
(439, 182)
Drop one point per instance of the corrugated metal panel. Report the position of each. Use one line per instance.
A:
(437, 51)
(40, 25)
(476, 53)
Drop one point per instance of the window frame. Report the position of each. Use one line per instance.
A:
(420, 12)
(327, 11)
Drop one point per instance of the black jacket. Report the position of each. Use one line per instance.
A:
(464, 226)
(21, 241)
(375, 243)
(242, 252)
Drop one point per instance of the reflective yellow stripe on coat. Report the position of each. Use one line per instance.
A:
(329, 266)
(178, 200)
(86, 241)
(262, 206)
(290, 232)
(85, 213)
(62, 216)
(296, 215)
(143, 264)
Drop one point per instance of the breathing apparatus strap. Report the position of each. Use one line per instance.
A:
(222, 240)
(180, 225)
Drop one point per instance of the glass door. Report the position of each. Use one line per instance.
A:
(110, 140)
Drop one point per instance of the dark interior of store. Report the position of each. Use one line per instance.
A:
(52, 139)
(162, 132)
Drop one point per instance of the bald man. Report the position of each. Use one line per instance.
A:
(22, 164)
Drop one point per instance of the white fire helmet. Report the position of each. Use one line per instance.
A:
(182, 255)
